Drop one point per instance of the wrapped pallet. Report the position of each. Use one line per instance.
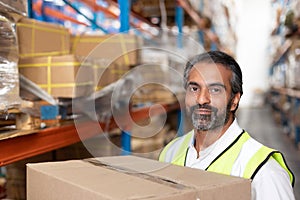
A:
(15, 6)
(9, 77)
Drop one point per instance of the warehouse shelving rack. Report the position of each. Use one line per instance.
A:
(287, 107)
(283, 97)
(49, 139)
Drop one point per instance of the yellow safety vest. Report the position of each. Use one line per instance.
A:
(224, 162)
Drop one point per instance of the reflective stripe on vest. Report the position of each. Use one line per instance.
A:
(228, 156)
(180, 154)
(224, 162)
(162, 156)
(261, 157)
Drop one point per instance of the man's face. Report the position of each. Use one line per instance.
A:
(208, 96)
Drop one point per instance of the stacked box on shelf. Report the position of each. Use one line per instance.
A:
(106, 73)
(279, 66)
(38, 38)
(154, 93)
(154, 84)
(293, 69)
(58, 75)
(45, 59)
(112, 55)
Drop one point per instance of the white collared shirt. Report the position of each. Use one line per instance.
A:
(271, 182)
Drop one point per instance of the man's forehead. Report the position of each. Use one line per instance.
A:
(206, 69)
(210, 73)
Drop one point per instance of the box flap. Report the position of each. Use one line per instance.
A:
(203, 181)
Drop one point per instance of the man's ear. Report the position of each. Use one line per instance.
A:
(235, 101)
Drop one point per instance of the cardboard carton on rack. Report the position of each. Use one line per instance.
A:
(38, 38)
(120, 48)
(58, 75)
(112, 55)
(129, 177)
(154, 93)
(105, 74)
(293, 65)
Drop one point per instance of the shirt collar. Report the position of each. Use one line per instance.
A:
(228, 137)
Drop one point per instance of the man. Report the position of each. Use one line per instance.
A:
(213, 83)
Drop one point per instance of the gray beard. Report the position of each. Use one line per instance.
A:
(211, 122)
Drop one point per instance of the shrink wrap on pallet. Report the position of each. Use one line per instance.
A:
(14, 6)
(9, 77)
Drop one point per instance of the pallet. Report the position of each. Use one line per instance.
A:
(26, 118)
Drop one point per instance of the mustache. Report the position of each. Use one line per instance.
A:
(204, 106)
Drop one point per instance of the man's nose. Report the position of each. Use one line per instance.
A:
(203, 97)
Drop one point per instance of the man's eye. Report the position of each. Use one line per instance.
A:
(194, 89)
(215, 90)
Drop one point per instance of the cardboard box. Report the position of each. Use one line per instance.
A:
(112, 55)
(58, 75)
(129, 177)
(38, 38)
(293, 65)
(105, 75)
(154, 94)
(119, 48)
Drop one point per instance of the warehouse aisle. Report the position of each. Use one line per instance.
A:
(260, 124)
